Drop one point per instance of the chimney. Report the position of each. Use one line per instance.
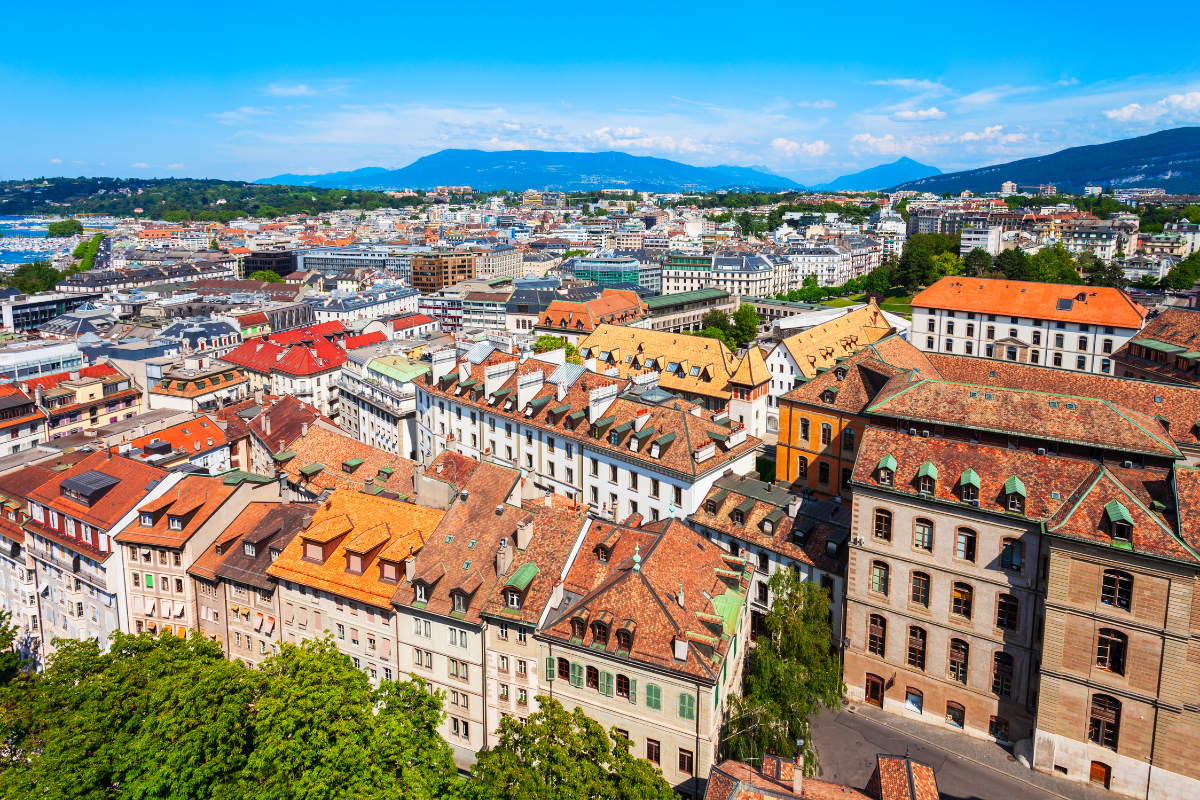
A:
(599, 400)
(266, 423)
(561, 393)
(556, 594)
(304, 429)
(258, 397)
(680, 597)
(549, 499)
(443, 363)
(464, 371)
(503, 557)
(37, 394)
(410, 568)
(528, 385)
(681, 648)
(496, 375)
(798, 771)
(639, 421)
(74, 374)
(524, 532)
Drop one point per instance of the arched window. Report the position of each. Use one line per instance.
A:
(1012, 555)
(1116, 589)
(1110, 650)
(998, 728)
(956, 714)
(564, 669)
(622, 686)
(826, 433)
(916, 647)
(883, 524)
(964, 544)
(577, 629)
(600, 633)
(920, 588)
(593, 678)
(877, 635)
(960, 653)
(1104, 721)
(1002, 674)
(961, 602)
(624, 641)
(804, 429)
(1007, 612)
(880, 576)
(801, 467)
(923, 534)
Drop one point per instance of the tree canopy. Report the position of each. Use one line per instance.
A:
(265, 275)
(66, 227)
(792, 672)
(548, 342)
(561, 755)
(34, 276)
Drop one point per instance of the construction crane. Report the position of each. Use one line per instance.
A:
(1043, 188)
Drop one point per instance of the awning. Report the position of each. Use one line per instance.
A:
(270, 626)
(258, 621)
(179, 608)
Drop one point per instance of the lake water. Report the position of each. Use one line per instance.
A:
(17, 227)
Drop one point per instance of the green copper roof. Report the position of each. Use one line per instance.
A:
(1014, 486)
(969, 478)
(524, 574)
(887, 462)
(1117, 512)
(928, 470)
(312, 469)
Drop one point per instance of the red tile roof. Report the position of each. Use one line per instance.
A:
(194, 436)
(411, 321)
(135, 482)
(194, 499)
(363, 340)
(1099, 306)
(50, 381)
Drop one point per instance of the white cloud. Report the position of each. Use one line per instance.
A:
(919, 115)
(791, 149)
(1066, 81)
(243, 114)
(913, 85)
(298, 90)
(885, 145)
(993, 95)
(174, 166)
(1173, 106)
(818, 104)
(56, 161)
(138, 165)
(992, 134)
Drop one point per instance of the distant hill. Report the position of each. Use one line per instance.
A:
(1170, 159)
(880, 177)
(536, 169)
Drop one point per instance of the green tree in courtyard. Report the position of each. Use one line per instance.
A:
(561, 755)
(793, 671)
(745, 324)
(265, 275)
(977, 263)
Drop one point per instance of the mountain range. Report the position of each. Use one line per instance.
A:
(1169, 159)
(905, 169)
(525, 169)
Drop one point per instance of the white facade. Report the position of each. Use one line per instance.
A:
(986, 239)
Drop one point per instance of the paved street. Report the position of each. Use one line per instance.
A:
(966, 768)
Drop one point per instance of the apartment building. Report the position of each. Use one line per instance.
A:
(774, 529)
(339, 573)
(18, 571)
(573, 435)
(273, 430)
(369, 304)
(237, 602)
(644, 634)
(307, 368)
(198, 444)
(801, 357)
(1163, 351)
(527, 573)
(22, 420)
(440, 268)
(84, 399)
(986, 239)
(501, 261)
(1064, 326)
(195, 384)
(485, 310)
(830, 264)
(166, 538)
(74, 517)
(575, 320)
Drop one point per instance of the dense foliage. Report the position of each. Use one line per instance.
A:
(34, 276)
(561, 755)
(66, 227)
(547, 342)
(265, 275)
(179, 199)
(792, 672)
(736, 331)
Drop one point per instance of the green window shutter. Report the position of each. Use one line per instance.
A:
(653, 697)
(633, 690)
(149, 581)
(576, 674)
(606, 684)
(550, 672)
(687, 706)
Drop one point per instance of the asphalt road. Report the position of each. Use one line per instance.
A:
(847, 744)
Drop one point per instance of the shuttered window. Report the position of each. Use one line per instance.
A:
(653, 697)
(687, 706)
(916, 647)
(576, 674)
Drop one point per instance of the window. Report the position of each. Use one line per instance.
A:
(600, 633)
(920, 588)
(1110, 650)
(965, 544)
(804, 428)
(622, 686)
(885, 476)
(877, 635)
(998, 728)
(1081, 362)
(685, 761)
(763, 593)
(593, 678)
(653, 751)
(1083, 343)
(1007, 609)
(1058, 359)
(577, 628)
(826, 433)
(1002, 674)
(883, 524)
(822, 472)
(991, 331)
(653, 697)
(959, 656)
(928, 342)
(956, 715)
(961, 604)
(1104, 723)
(1058, 340)
(923, 535)
(1107, 347)
(848, 439)
(687, 706)
(879, 577)
(624, 640)
(1012, 555)
(564, 669)
(916, 647)
(1116, 589)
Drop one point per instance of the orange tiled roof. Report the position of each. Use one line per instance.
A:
(194, 436)
(1100, 306)
(194, 499)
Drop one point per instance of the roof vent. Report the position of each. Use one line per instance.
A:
(1127, 464)
(463, 495)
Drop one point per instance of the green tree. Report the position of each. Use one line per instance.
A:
(34, 276)
(745, 324)
(793, 671)
(720, 335)
(878, 280)
(1054, 265)
(916, 268)
(977, 263)
(945, 264)
(66, 227)
(1105, 273)
(265, 275)
(547, 342)
(10, 661)
(715, 319)
(1184, 274)
(1016, 265)
(561, 755)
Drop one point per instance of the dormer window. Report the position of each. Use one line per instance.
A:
(925, 484)
(710, 507)
(600, 633)
(768, 526)
(249, 549)
(739, 518)
(460, 603)
(274, 554)
(147, 520)
(886, 470)
(1119, 520)
(602, 554)
(354, 563)
(885, 477)
(613, 437)
(1014, 495)
(175, 523)
(577, 629)
(313, 551)
(388, 572)
(927, 477)
(624, 641)
(422, 595)
(512, 599)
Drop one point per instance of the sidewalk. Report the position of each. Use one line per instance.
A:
(985, 753)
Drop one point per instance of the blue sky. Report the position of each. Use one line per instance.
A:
(254, 90)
